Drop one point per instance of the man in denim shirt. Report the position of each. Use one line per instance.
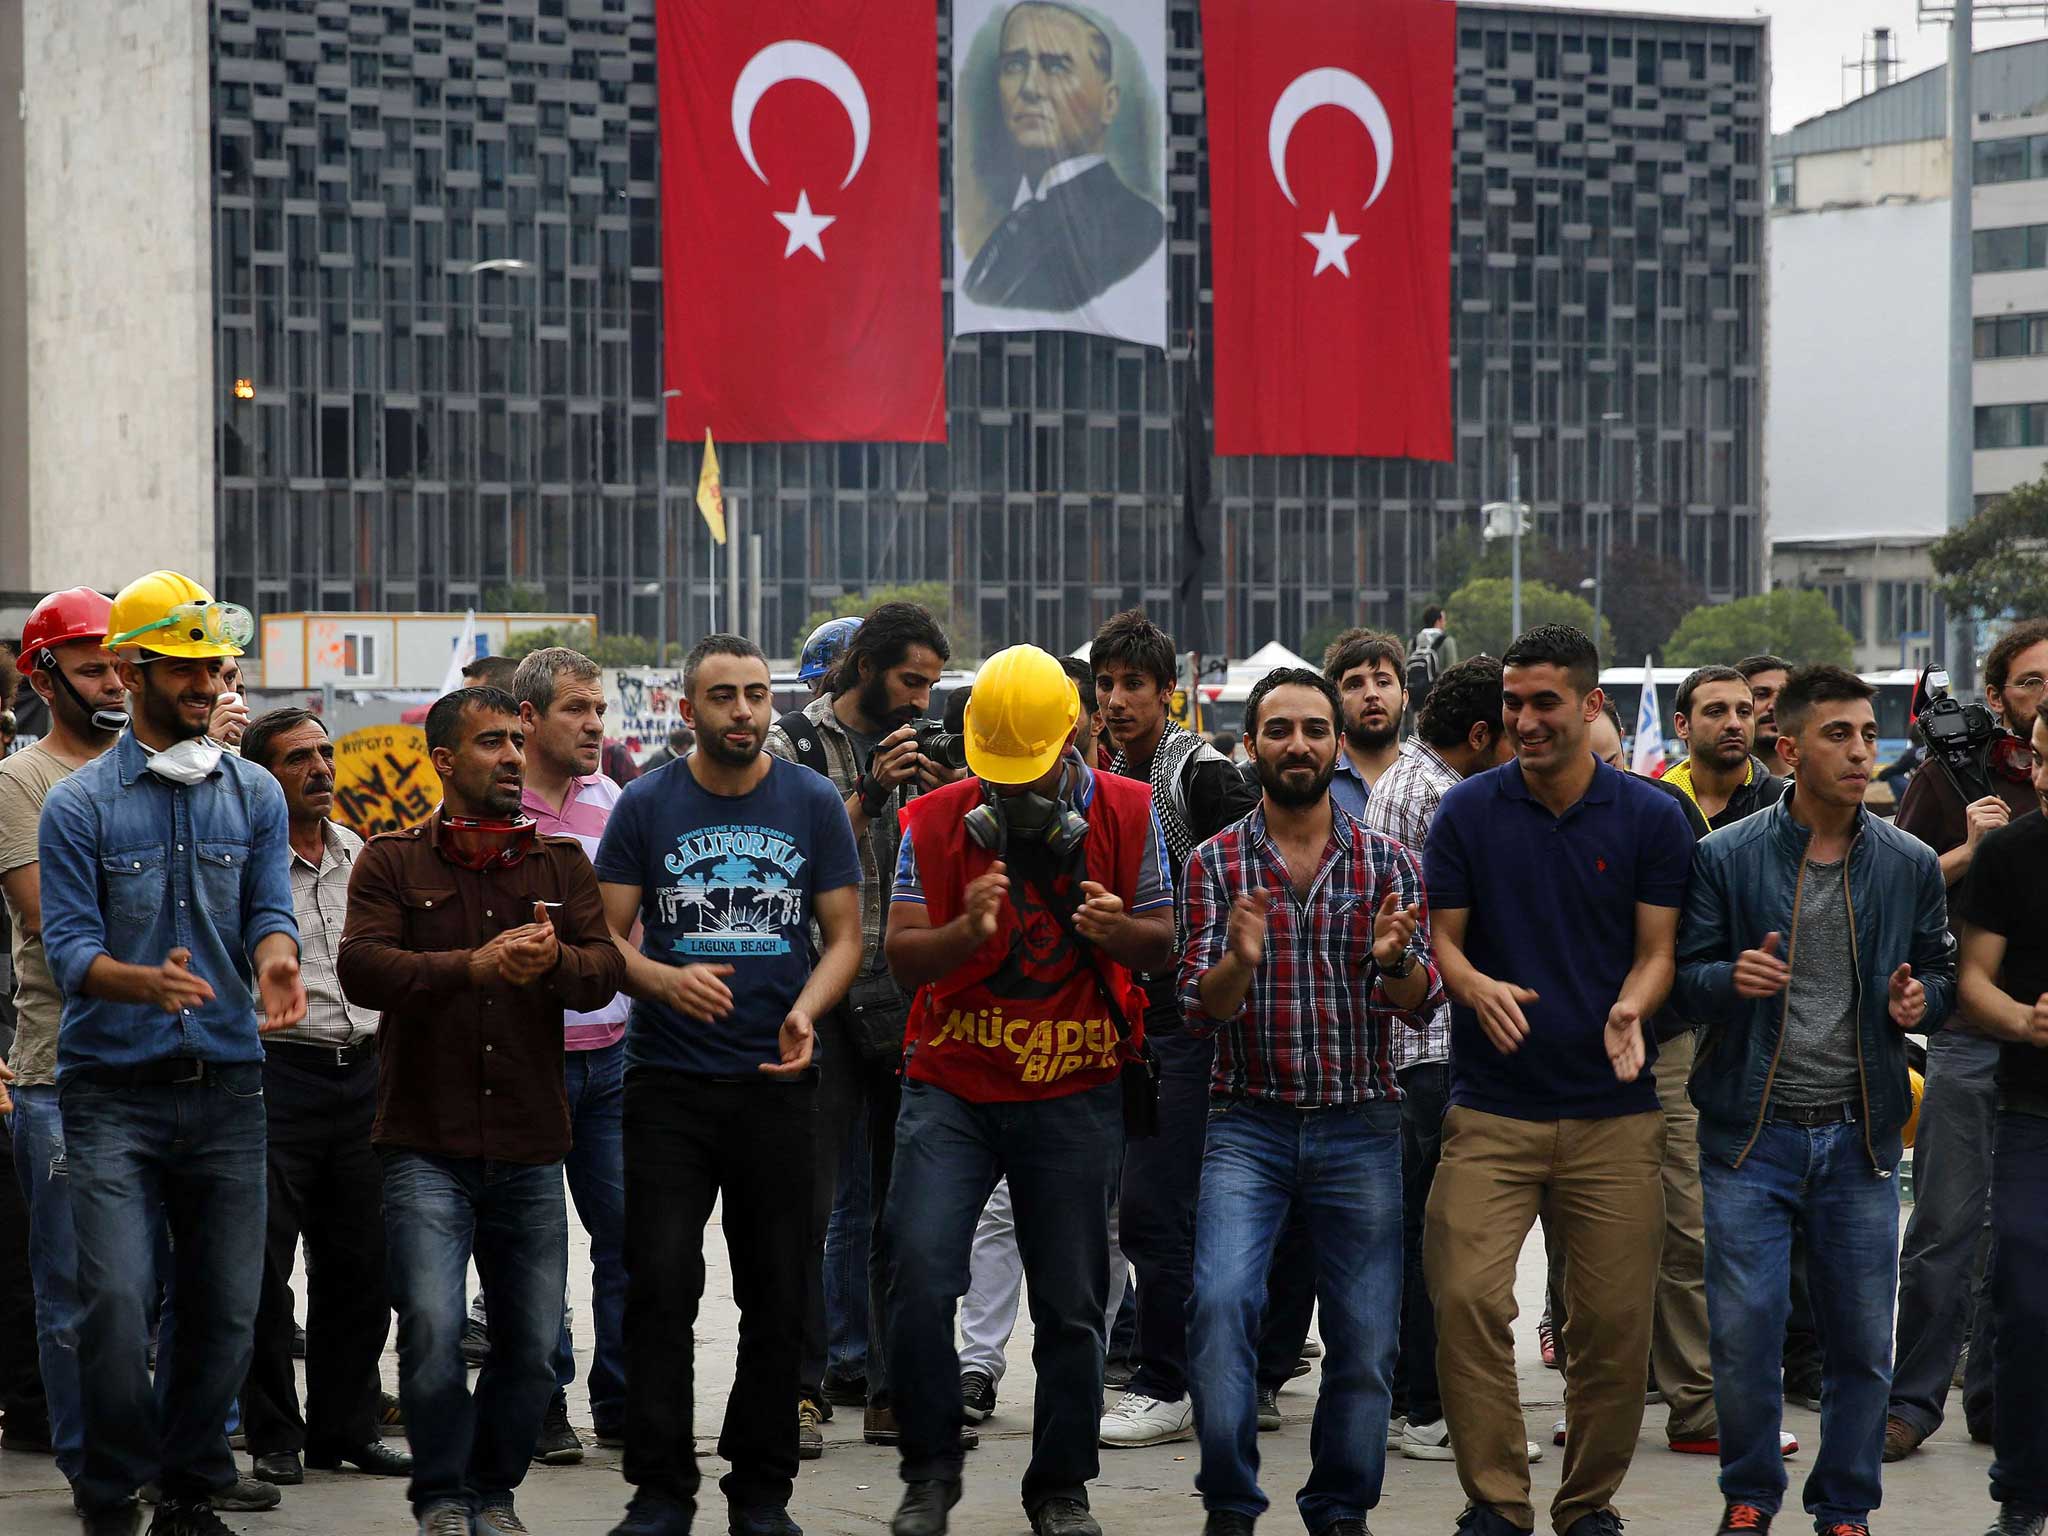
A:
(167, 924)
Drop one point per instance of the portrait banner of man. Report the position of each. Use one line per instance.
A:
(1059, 167)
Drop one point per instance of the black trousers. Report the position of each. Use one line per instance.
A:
(689, 1142)
(847, 1082)
(22, 1409)
(327, 1186)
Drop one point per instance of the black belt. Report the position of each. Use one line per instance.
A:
(327, 1058)
(2023, 1101)
(150, 1074)
(1815, 1114)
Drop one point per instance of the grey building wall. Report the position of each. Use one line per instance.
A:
(14, 518)
(117, 213)
(420, 436)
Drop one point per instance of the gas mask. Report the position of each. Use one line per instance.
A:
(187, 762)
(473, 842)
(1001, 821)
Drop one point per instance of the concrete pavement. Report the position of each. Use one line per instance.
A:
(854, 1489)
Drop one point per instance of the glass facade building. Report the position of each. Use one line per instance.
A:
(417, 434)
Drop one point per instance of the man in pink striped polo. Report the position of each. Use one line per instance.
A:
(561, 705)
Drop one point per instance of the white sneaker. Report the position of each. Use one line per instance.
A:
(1432, 1442)
(1138, 1420)
(1427, 1442)
(1397, 1426)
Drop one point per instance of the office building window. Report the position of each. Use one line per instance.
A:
(2012, 426)
(1846, 598)
(1901, 610)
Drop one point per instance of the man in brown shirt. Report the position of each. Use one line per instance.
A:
(473, 934)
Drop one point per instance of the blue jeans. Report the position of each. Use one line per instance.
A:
(1820, 1181)
(2019, 1217)
(596, 1166)
(846, 1259)
(41, 1167)
(189, 1156)
(1341, 1168)
(1063, 1157)
(438, 1211)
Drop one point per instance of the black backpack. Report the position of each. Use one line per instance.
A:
(1425, 662)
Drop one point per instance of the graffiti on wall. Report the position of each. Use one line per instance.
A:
(383, 780)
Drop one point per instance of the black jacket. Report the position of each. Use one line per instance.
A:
(1058, 252)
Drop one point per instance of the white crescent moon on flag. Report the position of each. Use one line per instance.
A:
(793, 60)
(1328, 87)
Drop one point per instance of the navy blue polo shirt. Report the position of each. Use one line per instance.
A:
(1552, 904)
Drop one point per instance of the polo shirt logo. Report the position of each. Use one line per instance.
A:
(1600, 864)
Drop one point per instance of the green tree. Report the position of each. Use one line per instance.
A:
(516, 597)
(522, 643)
(1997, 563)
(1798, 625)
(1482, 613)
(935, 595)
(1643, 598)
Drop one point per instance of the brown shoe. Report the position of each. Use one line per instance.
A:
(879, 1427)
(1900, 1438)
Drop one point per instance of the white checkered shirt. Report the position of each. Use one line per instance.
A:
(1402, 805)
(320, 902)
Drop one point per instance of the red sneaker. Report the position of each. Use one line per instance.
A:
(1709, 1445)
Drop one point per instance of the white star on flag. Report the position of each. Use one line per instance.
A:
(805, 226)
(1331, 243)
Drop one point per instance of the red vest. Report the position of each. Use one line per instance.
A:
(989, 1032)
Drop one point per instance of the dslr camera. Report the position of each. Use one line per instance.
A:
(947, 748)
(1960, 736)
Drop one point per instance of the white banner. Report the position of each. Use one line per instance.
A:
(1059, 167)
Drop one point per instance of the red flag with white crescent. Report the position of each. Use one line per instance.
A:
(800, 220)
(1330, 202)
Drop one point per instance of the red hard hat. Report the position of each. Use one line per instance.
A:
(78, 613)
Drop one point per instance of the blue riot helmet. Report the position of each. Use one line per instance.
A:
(822, 651)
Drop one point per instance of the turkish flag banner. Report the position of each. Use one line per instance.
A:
(1330, 201)
(800, 220)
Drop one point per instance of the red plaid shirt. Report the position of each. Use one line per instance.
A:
(1313, 1028)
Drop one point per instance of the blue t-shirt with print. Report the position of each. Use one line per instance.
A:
(726, 880)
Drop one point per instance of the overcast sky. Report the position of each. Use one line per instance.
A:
(1811, 38)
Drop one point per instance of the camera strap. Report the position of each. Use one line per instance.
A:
(1958, 767)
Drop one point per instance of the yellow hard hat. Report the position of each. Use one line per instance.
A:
(1019, 716)
(1919, 1087)
(173, 615)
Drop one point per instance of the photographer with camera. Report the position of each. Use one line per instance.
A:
(1975, 780)
(862, 733)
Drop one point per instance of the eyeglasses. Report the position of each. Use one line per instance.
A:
(2033, 682)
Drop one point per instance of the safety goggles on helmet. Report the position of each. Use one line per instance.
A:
(215, 623)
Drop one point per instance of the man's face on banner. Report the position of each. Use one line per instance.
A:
(1058, 98)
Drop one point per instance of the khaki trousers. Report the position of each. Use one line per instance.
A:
(1598, 1187)
(1679, 1360)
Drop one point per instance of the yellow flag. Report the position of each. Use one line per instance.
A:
(710, 494)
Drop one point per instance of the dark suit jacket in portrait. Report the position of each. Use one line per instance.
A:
(1058, 252)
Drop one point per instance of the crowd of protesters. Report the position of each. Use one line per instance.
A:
(1053, 999)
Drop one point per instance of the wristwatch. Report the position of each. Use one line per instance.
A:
(1406, 969)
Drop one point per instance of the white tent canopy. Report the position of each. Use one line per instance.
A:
(1265, 659)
